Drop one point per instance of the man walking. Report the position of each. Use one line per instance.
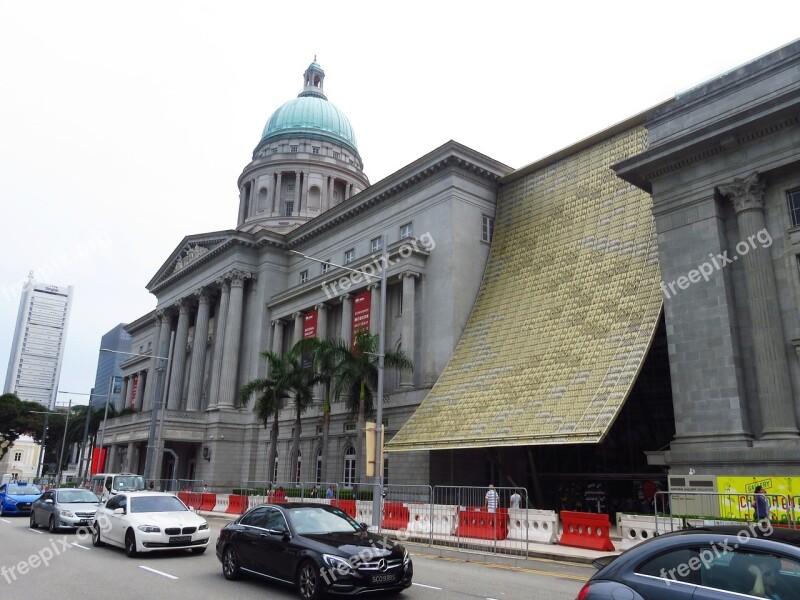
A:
(490, 501)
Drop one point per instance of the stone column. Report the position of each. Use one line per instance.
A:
(276, 197)
(141, 390)
(349, 190)
(347, 319)
(242, 202)
(128, 467)
(771, 366)
(198, 352)
(374, 307)
(306, 178)
(298, 327)
(147, 400)
(179, 357)
(233, 333)
(128, 398)
(331, 186)
(322, 321)
(111, 457)
(277, 337)
(162, 349)
(123, 393)
(296, 208)
(407, 326)
(219, 341)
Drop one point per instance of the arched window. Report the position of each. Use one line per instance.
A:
(275, 469)
(350, 466)
(318, 472)
(313, 198)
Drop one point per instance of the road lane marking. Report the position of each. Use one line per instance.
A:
(157, 572)
(430, 587)
(5, 520)
(37, 531)
(555, 574)
(77, 545)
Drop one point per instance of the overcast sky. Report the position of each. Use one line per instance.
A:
(124, 126)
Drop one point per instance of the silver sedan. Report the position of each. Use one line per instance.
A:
(64, 509)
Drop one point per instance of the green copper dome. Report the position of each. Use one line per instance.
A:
(310, 116)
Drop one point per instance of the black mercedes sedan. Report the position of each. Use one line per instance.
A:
(315, 547)
(726, 562)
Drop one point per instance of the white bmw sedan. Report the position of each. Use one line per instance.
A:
(149, 522)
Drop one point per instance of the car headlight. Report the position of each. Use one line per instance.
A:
(65, 513)
(10, 500)
(150, 528)
(406, 557)
(341, 566)
(202, 527)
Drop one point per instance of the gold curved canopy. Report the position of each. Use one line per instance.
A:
(567, 309)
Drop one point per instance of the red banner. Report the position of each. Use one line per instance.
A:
(361, 307)
(133, 392)
(310, 324)
(98, 460)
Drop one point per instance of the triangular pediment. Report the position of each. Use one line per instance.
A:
(192, 251)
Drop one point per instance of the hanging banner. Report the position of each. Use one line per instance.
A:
(98, 460)
(309, 331)
(133, 392)
(361, 306)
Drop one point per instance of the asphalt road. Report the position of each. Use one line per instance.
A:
(75, 569)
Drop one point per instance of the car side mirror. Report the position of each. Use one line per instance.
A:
(364, 526)
(119, 511)
(279, 530)
(48, 501)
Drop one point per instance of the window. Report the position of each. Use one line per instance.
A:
(673, 565)
(289, 208)
(17, 456)
(326, 266)
(349, 256)
(274, 150)
(336, 155)
(385, 470)
(375, 244)
(488, 229)
(318, 472)
(290, 188)
(315, 149)
(274, 520)
(793, 197)
(303, 276)
(299, 464)
(255, 518)
(293, 148)
(348, 427)
(406, 231)
(350, 467)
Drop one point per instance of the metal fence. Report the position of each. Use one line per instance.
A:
(715, 508)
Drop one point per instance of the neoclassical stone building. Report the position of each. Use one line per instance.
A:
(223, 297)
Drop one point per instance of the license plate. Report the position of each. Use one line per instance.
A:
(84, 522)
(180, 539)
(383, 578)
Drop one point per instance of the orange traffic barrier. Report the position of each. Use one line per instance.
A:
(585, 530)
(348, 506)
(207, 501)
(237, 505)
(395, 516)
(481, 524)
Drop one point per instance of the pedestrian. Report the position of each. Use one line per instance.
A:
(205, 488)
(314, 491)
(329, 494)
(490, 501)
(760, 505)
(515, 499)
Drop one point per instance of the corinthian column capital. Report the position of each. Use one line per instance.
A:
(746, 193)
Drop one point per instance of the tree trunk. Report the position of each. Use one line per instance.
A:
(326, 426)
(295, 448)
(273, 448)
(361, 471)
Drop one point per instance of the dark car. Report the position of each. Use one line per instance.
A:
(317, 548)
(16, 498)
(704, 563)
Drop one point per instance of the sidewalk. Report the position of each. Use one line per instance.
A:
(509, 555)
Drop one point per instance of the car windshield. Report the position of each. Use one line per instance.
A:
(129, 483)
(318, 520)
(146, 504)
(23, 490)
(75, 496)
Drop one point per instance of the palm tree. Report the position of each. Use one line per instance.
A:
(300, 381)
(358, 376)
(325, 359)
(269, 393)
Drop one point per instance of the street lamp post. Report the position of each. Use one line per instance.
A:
(378, 475)
(63, 439)
(63, 444)
(85, 428)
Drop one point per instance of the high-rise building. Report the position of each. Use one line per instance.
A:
(108, 366)
(37, 350)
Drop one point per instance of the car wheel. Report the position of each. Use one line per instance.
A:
(33, 522)
(130, 544)
(51, 525)
(198, 550)
(309, 585)
(96, 541)
(230, 563)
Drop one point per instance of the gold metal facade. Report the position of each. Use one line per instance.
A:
(565, 315)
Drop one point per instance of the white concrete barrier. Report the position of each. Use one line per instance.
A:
(419, 517)
(445, 519)
(222, 503)
(364, 511)
(535, 525)
(635, 529)
(253, 501)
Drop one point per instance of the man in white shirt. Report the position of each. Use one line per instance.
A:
(515, 499)
(491, 499)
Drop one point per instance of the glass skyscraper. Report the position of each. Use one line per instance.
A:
(109, 366)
